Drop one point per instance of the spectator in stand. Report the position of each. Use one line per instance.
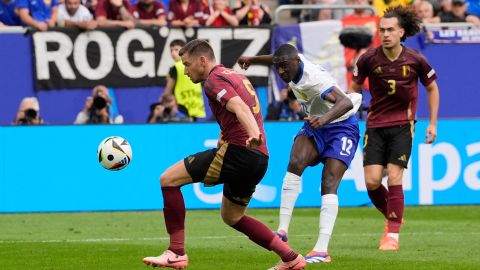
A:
(445, 6)
(8, 16)
(220, 14)
(187, 94)
(111, 13)
(38, 14)
(287, 108)
(252, 12)
(150, 12)
(166, 111)
(28, 112)
(187, 13)
(73, 13)
(99, 109)
(382, 5)
(437, 6)
(459, 14)
(424, 10)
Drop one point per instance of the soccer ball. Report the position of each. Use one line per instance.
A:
(114, 153)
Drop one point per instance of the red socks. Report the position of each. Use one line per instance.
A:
(395, 208)
(174, 214)
(379, 198)
(264, 237)
(391, 203)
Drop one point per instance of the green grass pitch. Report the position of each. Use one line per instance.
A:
(441, 237)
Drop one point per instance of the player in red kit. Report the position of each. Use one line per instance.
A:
(239, 162)
(393, 72)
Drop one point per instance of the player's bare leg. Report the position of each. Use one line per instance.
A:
(303, 153)
(332, 174)
(234, 215)
(174, 213)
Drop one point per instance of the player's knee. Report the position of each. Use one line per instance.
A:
(394, 175)
(166, 180)
(230, 219)
(296, 165)
(394, 178)
(372, 184)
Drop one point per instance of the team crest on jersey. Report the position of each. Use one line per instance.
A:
(378, 70)
(405, 70)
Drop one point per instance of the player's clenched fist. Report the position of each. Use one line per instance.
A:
(244, 62)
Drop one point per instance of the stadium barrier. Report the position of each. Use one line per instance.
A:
(55, 168)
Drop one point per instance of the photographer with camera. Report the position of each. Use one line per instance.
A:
(28, 113)
(166, 111)
(98, 109)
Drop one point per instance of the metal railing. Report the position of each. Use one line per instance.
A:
(12, 29)
(449, 25)
(310, 7)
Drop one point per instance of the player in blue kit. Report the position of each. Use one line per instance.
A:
(329, 135)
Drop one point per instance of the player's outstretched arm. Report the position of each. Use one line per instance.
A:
(433, 103)
(342, 104)
(246, 119)
(246, 61)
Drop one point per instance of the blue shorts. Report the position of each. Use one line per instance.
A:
(338, 140)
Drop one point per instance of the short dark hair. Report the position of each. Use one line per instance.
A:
(177, 42)
(287, 50)
(407, 19)
(198, 47)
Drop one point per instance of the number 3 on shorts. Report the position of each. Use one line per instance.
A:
(347, 145)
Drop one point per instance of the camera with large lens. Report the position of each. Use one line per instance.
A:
(167, 111)
(30, 116)
(99, 103)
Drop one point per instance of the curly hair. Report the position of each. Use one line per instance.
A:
(407, 19)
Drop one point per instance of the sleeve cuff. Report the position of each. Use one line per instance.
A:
(326, 92)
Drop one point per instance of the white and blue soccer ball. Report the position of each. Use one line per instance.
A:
(114, 153)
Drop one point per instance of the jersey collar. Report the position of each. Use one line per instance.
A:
(299, 75)
(215, 67)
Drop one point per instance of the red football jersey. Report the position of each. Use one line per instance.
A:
(393, 85)
(104, 8)
(223, 84)
(157, 11)
(195, 8)
(220, 20)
